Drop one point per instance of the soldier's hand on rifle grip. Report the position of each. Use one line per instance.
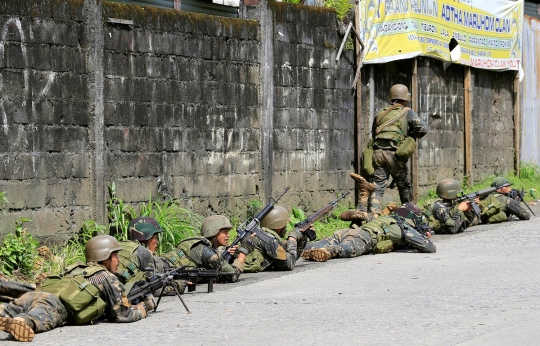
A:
(464, 206)
(247, 245)
(232, 250)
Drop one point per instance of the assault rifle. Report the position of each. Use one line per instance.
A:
(304, 226)
(141, 289)
(250, 226)
(518, 196)
(193, 275)
(473, 195)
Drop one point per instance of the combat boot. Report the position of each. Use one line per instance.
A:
(307, 255)
(17, 327)
(354, 215)
(320, 255)
(365, 189)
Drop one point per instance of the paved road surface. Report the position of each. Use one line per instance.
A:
(482, 287)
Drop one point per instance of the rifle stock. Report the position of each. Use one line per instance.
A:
(252, 226)
(304, 226)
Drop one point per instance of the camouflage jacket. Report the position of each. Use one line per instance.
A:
(512, 207)
(410, 125)
(112, 292)
(450, 218)
(274, 252)
(402, 235)
(197, 252)
(136, 259)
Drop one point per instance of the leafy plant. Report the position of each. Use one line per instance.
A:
(176, 221)
(120, 215)
(342, 7)
(3, 202)
(253, 207)
(19, 251)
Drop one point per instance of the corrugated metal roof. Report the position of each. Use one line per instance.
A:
(199, 6)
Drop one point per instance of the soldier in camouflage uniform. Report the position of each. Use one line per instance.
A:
(269, 250)
(138, 253)
(402, 229)
(443, 215)
(202, 251)
(510, 205)
(41, 311)
(389, 130)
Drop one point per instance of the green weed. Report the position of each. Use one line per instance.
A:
(342, 7)
(176, 221)
(3, 202)
(18, 254)
(120, 215)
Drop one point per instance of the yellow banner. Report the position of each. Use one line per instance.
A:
(488, 31)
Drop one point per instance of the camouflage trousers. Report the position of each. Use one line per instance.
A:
(386, 165)
(40, 310)
(345, 243)
(514, 208)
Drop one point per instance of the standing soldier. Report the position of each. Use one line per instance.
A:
(60, 300)
(394, 132)
(269, 249)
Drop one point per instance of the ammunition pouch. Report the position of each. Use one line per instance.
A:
(406, 149)
(367, 160)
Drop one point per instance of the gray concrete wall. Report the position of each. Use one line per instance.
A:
(210, 110)
(45, 159)
(314, 107)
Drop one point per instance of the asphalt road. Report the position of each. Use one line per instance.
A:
(480, 288)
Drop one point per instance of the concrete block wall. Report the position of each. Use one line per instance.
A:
(493, 123)
(441, 105)
(44, 161)
(314, 107)
(187, 105)
(181, 99)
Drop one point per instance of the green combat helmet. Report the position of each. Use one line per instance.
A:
(100, 248)
(143, 228)
(277, 218)
(213, 224)
(500, 182)
(399, 92)
(448, 188)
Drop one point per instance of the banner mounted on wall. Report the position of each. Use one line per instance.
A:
(487, 33)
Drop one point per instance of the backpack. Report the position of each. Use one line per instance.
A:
(81, 298)
(492, 210)
(384, 233)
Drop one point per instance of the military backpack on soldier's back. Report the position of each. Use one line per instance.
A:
(80, 297)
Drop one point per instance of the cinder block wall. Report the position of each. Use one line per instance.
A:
(44, 158)
(441, 105)
(181, 100)
(493, 123)
(210, 110)
(314, 107)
